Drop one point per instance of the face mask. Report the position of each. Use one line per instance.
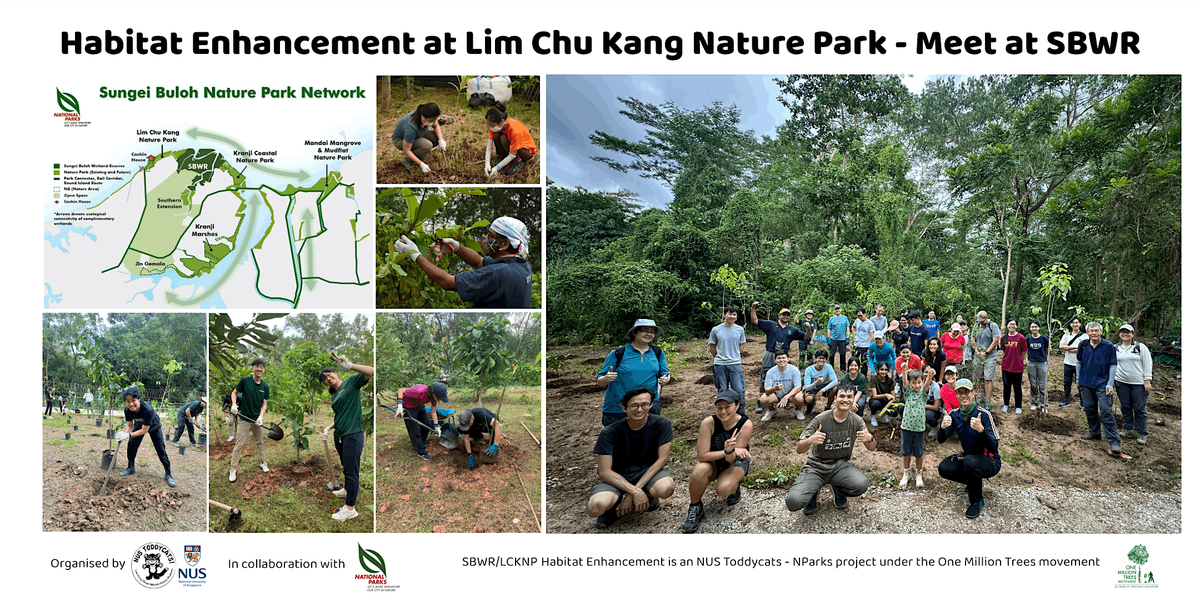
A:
(431, 123)
(497, 129)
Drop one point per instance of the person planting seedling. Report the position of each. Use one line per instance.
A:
(348, 436)
(472, 425)
(416, 420)
(501, 279)
(140, 421)
(417, 133)
(512, 141)
(250, 397)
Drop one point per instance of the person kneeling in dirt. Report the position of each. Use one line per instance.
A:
(512, 141)
(417, 133)
(416, 420)
(140, 421)
(630, 455)
(502, 279)
(722, 455)
(348, 436)
(829, 441)
(472, 424)
(980, 456)
(781, 385)
(186, 417)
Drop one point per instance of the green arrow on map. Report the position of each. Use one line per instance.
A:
(310, 263)
(255, 202)
(196, 133)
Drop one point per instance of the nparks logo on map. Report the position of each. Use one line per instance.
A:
(70, 110)
(1136, 574)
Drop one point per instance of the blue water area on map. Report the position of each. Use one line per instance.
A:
(61, 241)
(50, 297)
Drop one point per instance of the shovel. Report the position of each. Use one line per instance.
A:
(235, 514)
(448, 439)
(333, 483)
(110, 466)
(274, 431)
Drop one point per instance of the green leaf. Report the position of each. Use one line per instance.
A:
(371, 561)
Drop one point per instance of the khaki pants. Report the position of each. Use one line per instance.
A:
(243, 431)
(231, 421)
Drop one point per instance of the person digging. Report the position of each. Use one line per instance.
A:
(186, 417)
(472, 425)
(140, 421)
(348, 436)
(253, 393)
(416, 419)
(501, 279)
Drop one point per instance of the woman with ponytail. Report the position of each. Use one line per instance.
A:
(417, 133)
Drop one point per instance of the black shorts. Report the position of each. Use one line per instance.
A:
(723, 464)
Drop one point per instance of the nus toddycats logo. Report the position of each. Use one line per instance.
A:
(1136, 573)
(153, 565)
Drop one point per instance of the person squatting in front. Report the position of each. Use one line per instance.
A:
(630, 456)
(472, 425)
(722, 455)
(186, 417)
(783, 388)
(142, 421)
(416, 419)
(980, 455)
(501, 279)
(512, 141)
(779, 339)
(348, 436)
(819, 380)
(829, 442)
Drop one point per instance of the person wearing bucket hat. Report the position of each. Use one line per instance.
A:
(142, 421)
(348, 437)
(722, 456)
(186, 417)
(980, 455)
(637, 364)
(249, 400)
(779, 339)
(501, 278)
(411, 410)
(631, 460)
(1134, 382)
(473, 424)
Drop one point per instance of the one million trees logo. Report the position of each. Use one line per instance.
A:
(1135, 574)
(69, 104)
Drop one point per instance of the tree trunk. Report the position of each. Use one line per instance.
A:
(1007, 272)
(1017, 283)
(1116, 289)
(385, 91)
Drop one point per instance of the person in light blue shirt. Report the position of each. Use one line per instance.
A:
(637, 364)
(836, 329)
(863, 329)
(782, 386)
(880, 352)
(725, 345)
(819, 380)
(933, 323)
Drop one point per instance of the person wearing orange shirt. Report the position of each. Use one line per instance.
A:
(512, 141)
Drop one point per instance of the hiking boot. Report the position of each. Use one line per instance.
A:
(130, 471)
(695, 513)
(345, 513)
(1090, 436)
(340, 492)
(920, 482)
(608, 518)
(232, 475)
(974, 510)
(767, 416)
(840, 501)
(811, 507)
(799, 414)
(170, 480)
(516, 165)
(426, 456)
(734, 498)
(874, 423)
(904, 480)
(1141, 440)
(1064, 403)
(758, 407)
(654, 504)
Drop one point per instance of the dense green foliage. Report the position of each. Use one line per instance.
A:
(953, 199)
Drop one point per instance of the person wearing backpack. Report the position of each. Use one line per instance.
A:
(1070, 347)
(635, 365)
(1135, 381)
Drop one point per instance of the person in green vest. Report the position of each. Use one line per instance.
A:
(347, 426)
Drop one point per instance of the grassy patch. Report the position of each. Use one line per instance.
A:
(773, 475)
(1063, 456)
(1021, 454)
(63, 443)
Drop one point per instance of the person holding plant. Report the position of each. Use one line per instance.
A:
(829, 442)
(417, 133)
(725, 345)
(722, 456)
(411, 401)
(348, 437)
(1069, 344)
(1038, 366)
(980, 455)
(249, 406)
(512, 141)
(1134, 382)
(637, 364)
(1012, 365)
(779, 339)
(631, 456)
(140, 421)
(472, 425)
(186, 417)
(502, 278)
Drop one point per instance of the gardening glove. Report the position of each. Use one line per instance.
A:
(471, 462)
(492, 450)
(493, 173)
(453, 243)
(437, 429)
(258, 422)
(424, 168)
(442, 145)
(233, 409)
(341, 361)
(122, 435)
(487, 170)
(404, 246)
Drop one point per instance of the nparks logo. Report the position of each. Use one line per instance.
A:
(70, 110)
(372, 562)
(1136, 574)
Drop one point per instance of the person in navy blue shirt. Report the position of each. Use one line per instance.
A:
(918, 333)
(779, 341)
(501, 279)
(142, 421)
(1097, 375)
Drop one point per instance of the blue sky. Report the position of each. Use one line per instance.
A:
(579, 105)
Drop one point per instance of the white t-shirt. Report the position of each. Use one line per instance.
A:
(790, 378)
(1072, 358)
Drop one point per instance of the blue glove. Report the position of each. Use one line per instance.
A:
(492, 450)
(471, 461)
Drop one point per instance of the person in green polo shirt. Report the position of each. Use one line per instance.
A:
(249, 406)
(347, 426)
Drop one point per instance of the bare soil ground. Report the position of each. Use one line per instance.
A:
(466, 140)
(72, 478)
(1051, 480)
(444, 495)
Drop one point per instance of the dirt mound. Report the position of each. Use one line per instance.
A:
(587, 388)
(1164, 408)
(1046, 423)
(125, 498)
(1054, 396)
(554, 384)
(704, 380)
(302, 474)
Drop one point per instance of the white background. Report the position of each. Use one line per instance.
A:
(427, 564)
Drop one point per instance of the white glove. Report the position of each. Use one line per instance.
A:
(453, 243)
(325, 434)
(441, 144)
(404, 246)
(437, 429)
(341, 361)
(258, 421)
(493, 173)
(122, 435)
(487, 170)
(233, 409)
(424, 168)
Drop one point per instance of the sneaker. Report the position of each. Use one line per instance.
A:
(170, 480)
(340, 492)
(1005, 409)
(695, 513)
(608, 518)
(654, 504)
(1114, 449)
(799, 414)
(1090, 436)
(232, 475)
(230, 439)
(1018, 411)
(1064, 404)
(904, 480)
(516, 165)
(811, 507)
(426, 456)
(920, 482)
(886, 419)
(758, 408)
(734, 498)
(1141, 440)
(932, 432)
(767, 416)
(130, 471)
(974, 510)
(345, 513)
(874, 423)
(263, 466)
(839, 500)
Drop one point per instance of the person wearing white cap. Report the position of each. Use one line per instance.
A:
(638, 364)
(501, 279)
(1135, 381)
(953, 344)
